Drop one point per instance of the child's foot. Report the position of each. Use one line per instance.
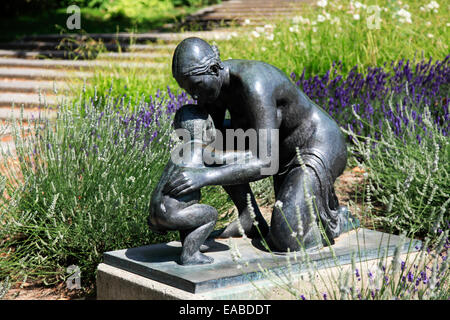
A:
(196, 258)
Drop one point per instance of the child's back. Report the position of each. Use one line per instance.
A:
(162, 205)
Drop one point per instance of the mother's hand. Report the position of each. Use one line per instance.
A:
(185, 181)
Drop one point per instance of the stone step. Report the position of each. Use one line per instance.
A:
(233, 21)
(261, 2)
(261, 5)
(29, 45)
(34, 54)
(73, 64)
(232, 15)
(40, 54)
(7, 85)
(258, 9)
(149, 47)
(135, 37)
(253, 9)
(28, 100)
(32, 73)
(240, 18)
(69, 55)
(8, 113)
(133, 55)
(50, 47)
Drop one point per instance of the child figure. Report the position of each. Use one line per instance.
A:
(193, 220)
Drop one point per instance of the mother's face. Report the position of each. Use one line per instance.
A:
(204, 88)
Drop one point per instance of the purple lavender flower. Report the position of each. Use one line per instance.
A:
(423, 276)
(410, 276)
(425, 81)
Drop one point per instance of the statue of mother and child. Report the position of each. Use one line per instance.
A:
(306, 149)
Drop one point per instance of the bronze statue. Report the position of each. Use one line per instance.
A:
(260, 97)
(194, 221)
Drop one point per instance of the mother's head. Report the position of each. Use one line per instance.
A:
(197, 68)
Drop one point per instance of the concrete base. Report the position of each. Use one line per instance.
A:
(151, 272)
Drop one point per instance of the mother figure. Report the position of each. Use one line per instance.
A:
(261, 97)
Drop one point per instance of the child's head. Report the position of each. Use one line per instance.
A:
(196, 121)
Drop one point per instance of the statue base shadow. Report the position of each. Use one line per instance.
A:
(153, 271)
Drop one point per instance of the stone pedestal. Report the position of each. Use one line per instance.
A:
(238, 271)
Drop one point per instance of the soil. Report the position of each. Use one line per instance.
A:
(30, 291)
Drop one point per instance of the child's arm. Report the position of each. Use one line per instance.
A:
(214, 157)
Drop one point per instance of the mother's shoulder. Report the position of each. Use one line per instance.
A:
(253, 71)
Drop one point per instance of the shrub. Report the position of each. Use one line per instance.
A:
(410, 84)
(84, 185)
(410, 276)
(408, 174)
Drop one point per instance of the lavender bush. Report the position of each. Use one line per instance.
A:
(84, 185)
(420, 273)
(409, 84)
(85, 180)
(409, 108)
(407, 180)
(415, 275)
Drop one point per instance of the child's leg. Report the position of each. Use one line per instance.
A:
(196, 222)
(183, 235)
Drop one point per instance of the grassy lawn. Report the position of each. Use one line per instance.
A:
(317, 37)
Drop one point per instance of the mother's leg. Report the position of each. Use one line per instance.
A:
(294, 225)
(238, 194)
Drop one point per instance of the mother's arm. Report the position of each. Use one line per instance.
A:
(264, 163)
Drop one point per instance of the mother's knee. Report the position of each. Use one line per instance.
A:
(294, 224)
(294, 229)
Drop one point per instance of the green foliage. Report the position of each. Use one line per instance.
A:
(137, 10)
(81, 195)
(408, 179)
(316, 37)
(81, 48)
(83, 187)
(127, 7)
(4, 287)
(194, 3)
(298, 44)
(23, 17)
